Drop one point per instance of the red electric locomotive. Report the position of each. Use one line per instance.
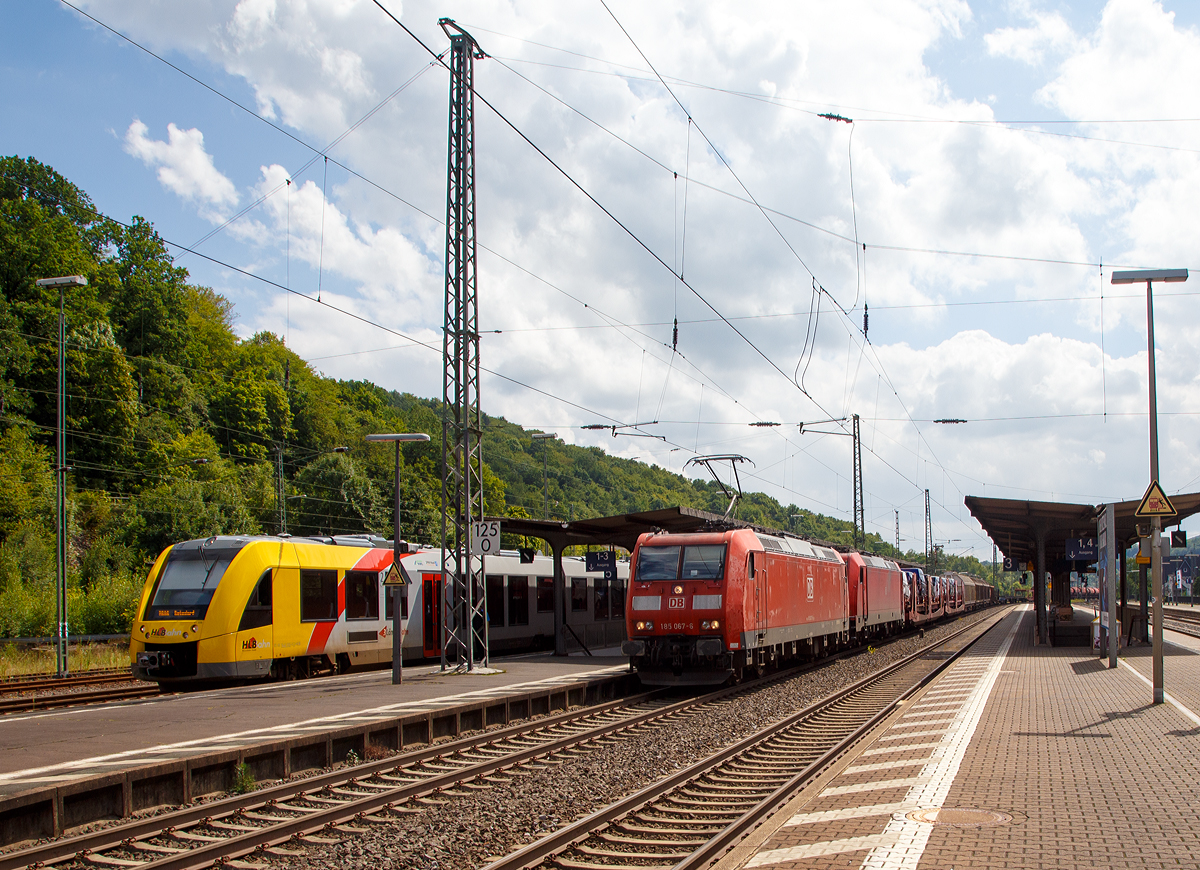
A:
(704, 607)
(876, 595)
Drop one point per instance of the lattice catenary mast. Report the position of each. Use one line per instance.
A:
(464, 608)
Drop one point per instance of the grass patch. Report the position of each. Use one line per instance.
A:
(18, 659)
(243, 779)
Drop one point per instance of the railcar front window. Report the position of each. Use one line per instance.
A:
(658, 563)
(186, 583)
(706, 562)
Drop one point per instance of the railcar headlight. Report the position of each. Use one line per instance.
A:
(185, 635)
(678, 590)
(142, 629)
(195, 628)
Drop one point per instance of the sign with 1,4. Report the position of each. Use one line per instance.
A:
(1081, 549)
(485, 538)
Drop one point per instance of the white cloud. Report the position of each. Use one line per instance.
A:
(1049, 34)
(184, 167)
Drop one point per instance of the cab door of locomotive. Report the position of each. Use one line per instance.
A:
(759, 567)
(254, 641)
(431, 614)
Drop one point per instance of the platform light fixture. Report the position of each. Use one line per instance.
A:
(1168, 276)
(399, 438)
(60, 472)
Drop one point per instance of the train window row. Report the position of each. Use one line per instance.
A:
(318, 596)
(608, 598)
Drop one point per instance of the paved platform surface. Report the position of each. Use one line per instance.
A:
(39, 749)
(1021, 756)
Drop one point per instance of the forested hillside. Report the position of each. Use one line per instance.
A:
(177, 429)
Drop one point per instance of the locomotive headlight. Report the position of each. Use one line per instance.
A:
(704, 625)
(678, 590)
(640, 626)
(716, 623)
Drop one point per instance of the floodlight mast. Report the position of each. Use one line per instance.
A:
(1167, 276)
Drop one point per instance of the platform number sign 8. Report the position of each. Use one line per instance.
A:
(485, 537)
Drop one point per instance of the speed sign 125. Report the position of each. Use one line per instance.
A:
(485, 537)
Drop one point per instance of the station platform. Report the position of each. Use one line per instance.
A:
(1018, 756)
(59, 747)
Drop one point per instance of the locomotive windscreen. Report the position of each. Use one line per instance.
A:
(658, 563)
(704, 562)
(701, 562)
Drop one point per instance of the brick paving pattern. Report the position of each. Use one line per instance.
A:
(1092, 775)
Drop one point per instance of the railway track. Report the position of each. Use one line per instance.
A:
(41, 682)
(31, 702)
(690, 818)
(37, 692)
(342, 801)
(349, 801)
(1185, 620)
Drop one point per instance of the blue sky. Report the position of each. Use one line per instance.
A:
(930, 86)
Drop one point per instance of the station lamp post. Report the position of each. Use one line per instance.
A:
(1169, 276)
(60, 471)
(399, 438)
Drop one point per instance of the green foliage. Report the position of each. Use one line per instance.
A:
(338, 495)
(243, 779)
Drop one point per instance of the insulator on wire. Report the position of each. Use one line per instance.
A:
(865, 320)
(675, 335)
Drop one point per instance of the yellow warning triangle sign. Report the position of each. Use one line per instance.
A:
(1155, 503)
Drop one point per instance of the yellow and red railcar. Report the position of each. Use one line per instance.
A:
(239, 607)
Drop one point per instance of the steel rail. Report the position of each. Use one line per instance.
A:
(20, 681)
(558, 841)
(87, 845)
(110, 838)
(32, 703)
(730, 836)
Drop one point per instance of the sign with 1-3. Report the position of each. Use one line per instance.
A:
(485, 538)
(605, 560)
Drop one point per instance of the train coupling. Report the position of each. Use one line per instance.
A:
(155, 659)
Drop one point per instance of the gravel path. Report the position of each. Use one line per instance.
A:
(471, 830)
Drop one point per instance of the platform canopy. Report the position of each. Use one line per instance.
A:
(1014, 524)
(621, 530)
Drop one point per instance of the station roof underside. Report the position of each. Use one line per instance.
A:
(1014, 524)
(621, 530)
